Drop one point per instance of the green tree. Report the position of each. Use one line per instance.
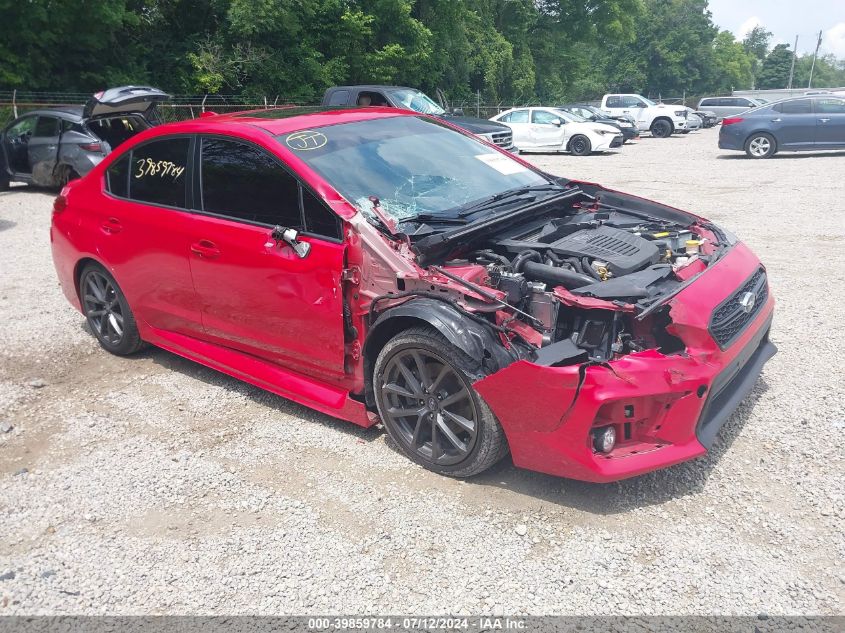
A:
(774, 72)
(732, 65)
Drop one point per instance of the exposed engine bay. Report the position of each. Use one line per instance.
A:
(591, 278)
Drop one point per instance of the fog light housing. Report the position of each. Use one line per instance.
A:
(604, 439)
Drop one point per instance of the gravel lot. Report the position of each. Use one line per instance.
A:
(152, 485)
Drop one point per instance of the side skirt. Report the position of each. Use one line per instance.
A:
(268, 376)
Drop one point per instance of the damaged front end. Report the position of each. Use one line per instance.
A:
(617, 335)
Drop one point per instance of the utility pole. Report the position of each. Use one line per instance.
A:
(792, 69)
(813, 67)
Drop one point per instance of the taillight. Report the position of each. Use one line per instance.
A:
(732, 120)
(60, 203)
(91, 147)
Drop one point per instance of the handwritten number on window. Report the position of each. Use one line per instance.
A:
(160, 168)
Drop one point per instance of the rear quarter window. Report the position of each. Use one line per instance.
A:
(117, 178)
(158, 172)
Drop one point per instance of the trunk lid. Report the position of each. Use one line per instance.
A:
(141, 99)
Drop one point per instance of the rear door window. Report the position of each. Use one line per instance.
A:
(46, 127)
(800, 106)
(158, 172)
(613, 101)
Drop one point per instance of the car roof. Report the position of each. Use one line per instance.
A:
(64, 112)
(372, 87)
(288, 119)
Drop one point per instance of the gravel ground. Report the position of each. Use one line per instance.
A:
(152, 485)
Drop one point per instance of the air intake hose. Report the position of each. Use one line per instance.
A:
(528, 263)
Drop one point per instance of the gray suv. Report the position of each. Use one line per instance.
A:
(728, 106)
(49, 147)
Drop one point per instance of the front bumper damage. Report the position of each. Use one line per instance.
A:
(666, 409)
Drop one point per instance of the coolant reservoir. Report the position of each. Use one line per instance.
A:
(693, 247)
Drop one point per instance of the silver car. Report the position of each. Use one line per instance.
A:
(728, 106)
(49, 147)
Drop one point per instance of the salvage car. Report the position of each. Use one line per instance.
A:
(552, 130)
(52, 146)
(624, 123)
(384, 266)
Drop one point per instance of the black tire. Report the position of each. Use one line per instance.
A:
(108, 313)
(662, 128)
(761, 145)
(66, 175)
(441, 404)
(579, 145)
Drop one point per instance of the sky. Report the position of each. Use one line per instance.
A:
(786, 19)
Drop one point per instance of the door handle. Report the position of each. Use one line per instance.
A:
(205, 249)
(112, 225)
(778, 120)
(824, 120)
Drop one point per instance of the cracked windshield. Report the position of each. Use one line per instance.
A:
(412, 168)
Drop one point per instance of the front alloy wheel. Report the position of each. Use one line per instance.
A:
(429, 407)
(661, 129)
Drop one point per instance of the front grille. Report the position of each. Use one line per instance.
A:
(730, 318)
(503, 139)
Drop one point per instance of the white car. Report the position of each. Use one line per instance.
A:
(552, 130)
(660, 119)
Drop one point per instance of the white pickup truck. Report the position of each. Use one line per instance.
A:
(658, 118)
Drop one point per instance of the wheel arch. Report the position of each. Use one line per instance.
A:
(663, 118)
(469, 336)
(77, 272)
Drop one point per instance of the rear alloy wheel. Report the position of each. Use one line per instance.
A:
(580, 145)
(661, 129)
(761, 145)
(108, 313)
(425, 398)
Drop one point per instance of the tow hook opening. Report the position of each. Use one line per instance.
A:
(604, 439)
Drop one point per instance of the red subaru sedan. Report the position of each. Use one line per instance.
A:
(383, 266)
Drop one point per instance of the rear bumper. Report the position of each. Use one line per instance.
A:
(665, 409)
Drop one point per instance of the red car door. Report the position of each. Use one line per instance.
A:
(258, 295)
(143, 231)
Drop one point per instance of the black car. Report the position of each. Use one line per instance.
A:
(51, 146)
(413, 99)
(623, 123)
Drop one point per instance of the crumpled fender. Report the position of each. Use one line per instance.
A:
(474, 339)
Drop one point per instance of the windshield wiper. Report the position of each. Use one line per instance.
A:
(491, 202)
(436, 217)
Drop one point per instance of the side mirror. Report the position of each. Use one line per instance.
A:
(290, 237)
(641, 105)
(557, 122)
(458, 111)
